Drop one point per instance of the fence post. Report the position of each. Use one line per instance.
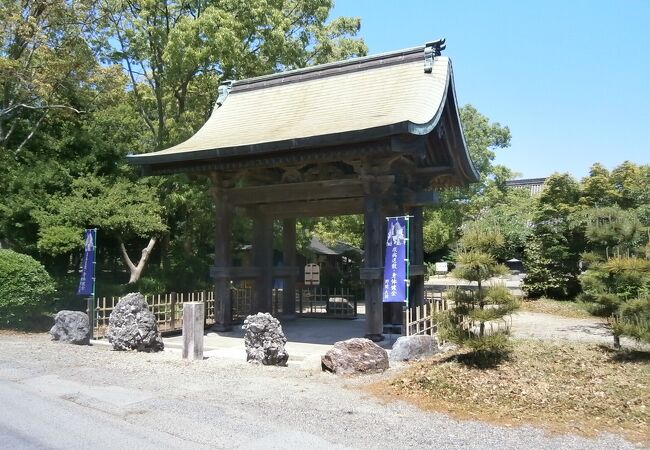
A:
(172, 316)
(193, 314)
(204, 300)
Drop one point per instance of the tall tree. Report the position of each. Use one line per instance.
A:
(175, 52)
(47, 64)
(553, 250)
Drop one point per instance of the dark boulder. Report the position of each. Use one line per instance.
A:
(264, 340)
(72, 327)
(132, 326)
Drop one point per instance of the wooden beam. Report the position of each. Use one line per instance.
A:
(320, 208)
(298, 192)
(436, 170)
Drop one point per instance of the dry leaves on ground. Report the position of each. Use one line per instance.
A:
(561, 387)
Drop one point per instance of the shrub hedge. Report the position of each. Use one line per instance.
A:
(25, 288)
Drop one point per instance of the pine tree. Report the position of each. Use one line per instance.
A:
(477, 318)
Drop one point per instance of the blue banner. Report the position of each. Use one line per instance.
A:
(395, 262)
(87, 281)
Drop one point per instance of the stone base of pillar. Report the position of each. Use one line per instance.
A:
(221, 328)
(375, 337)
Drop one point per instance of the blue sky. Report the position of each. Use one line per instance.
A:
(570, 78)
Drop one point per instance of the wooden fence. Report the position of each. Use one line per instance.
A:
(167, 308)
(420, 319)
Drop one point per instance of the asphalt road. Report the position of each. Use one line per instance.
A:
(56, 396)
(33, 419)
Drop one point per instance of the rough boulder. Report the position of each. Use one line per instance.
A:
(72, 327)
(407, 348)
(355, 356)
(132, 326)
(264, 340)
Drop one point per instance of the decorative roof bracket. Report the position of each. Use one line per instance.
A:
(223, 90)
(431, 50)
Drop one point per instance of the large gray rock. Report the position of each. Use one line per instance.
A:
(356, 355)
(72, 327)
(264, 340)
(407, 348)
(132, 326)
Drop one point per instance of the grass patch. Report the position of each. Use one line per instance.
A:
(577, 388)
(562, 308)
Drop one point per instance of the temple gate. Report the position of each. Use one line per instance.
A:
(377, 136)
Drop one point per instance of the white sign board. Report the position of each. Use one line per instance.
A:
(442, 268)
(312, 274)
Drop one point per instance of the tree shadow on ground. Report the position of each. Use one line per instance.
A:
(626, 355)
(482, 360)
(38, 324)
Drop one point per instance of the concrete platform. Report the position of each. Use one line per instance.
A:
(307, 340)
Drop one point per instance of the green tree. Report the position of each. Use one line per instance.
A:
(48, 66)
(438, 232)
(554, 247)
(457, 205)
(613, 231)
(626, 180)
(127, 211)
(597, 188)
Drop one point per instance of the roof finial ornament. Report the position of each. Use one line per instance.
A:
(431, 50)
(223, 90)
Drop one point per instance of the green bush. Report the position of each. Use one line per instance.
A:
(25, 289)
(633, 319)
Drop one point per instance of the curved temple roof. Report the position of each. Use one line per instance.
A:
(346, 102)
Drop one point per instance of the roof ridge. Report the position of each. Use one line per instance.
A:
(336, 68)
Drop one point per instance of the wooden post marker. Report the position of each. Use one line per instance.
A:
(193, 320)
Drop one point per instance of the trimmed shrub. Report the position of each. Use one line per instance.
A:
(25, 288)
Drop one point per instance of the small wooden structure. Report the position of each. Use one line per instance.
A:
(376, 136)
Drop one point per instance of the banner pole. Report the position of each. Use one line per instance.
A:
(407, 280)
(91, 300)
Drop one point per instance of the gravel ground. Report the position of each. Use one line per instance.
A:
(531, 325)
(226, 404)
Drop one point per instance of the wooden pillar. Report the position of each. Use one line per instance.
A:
(372, 271)
(262, 300)
(222, 261)
(289, 258)
(416, 291)
(193, 318)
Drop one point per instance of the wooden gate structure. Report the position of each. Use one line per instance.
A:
(376, 135)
